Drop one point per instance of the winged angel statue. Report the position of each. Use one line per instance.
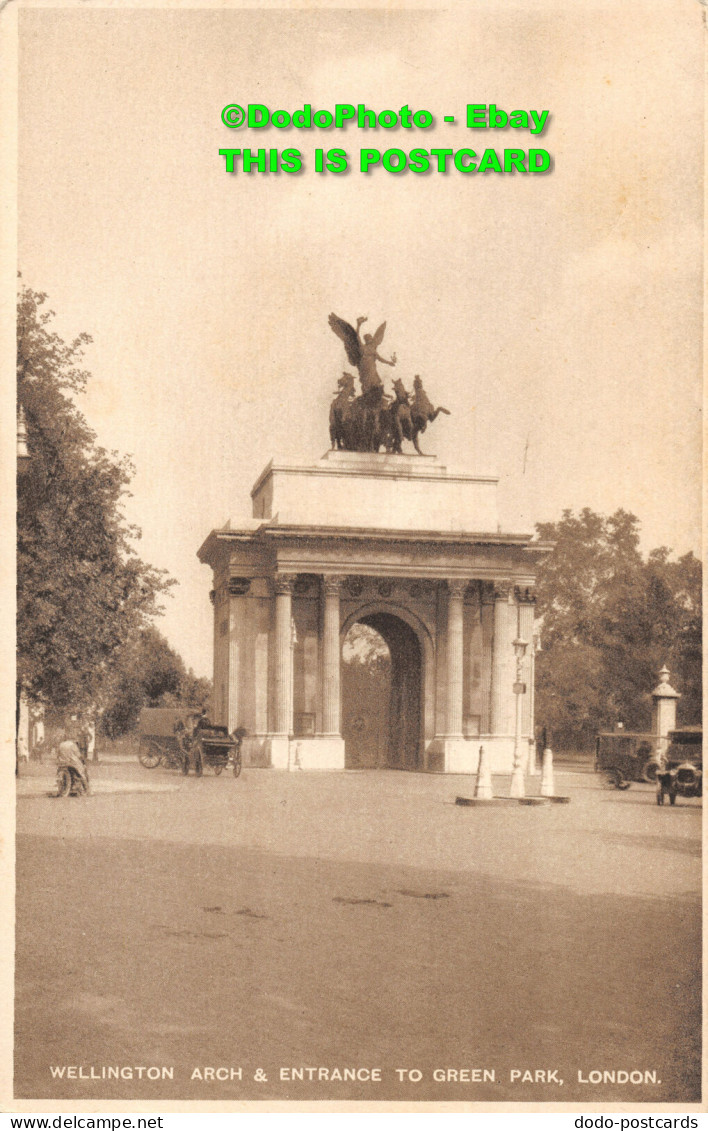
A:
(372, 420)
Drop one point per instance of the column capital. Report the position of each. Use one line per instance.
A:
(457, 586)
(525, 596)
(332, 584)
(238, 586)
(503, 589)
(283, 583)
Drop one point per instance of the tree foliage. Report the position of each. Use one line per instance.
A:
(82, 592)
(610, 620)
(150, 674)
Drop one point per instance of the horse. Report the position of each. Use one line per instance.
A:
(400, 421)
(340, 414)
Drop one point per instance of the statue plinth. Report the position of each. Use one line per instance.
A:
(364, 490)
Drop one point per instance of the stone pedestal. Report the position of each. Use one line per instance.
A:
(376, 491)
(324, 752)
(664, 710)
(277, 749)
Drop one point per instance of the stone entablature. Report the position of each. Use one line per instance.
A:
(285, 595)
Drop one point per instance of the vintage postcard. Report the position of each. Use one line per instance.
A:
(356, 741)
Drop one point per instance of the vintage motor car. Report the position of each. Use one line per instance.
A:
(625, 756)
(681, 773)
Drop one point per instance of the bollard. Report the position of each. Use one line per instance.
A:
(518, 785)
(483, 789)
(533, 768)
(547, 784)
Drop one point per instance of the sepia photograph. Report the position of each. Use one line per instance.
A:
(356, 751)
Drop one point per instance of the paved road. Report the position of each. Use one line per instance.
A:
(357, 921)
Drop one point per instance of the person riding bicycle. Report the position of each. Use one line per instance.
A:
(68, 754)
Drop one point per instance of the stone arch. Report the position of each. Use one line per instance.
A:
(382, 615)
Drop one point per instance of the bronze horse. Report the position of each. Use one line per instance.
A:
(356, 424)
(405, 420)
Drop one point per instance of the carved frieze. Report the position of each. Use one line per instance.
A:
(354, 586)
(302, 584)
(385, 587)
(425, 588)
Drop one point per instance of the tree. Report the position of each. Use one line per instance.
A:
(82, 591)
(610, 620)
(150, 673)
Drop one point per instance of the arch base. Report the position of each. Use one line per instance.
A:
(454, 755)
(319, 752)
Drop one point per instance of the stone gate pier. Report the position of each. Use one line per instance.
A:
(402, 544)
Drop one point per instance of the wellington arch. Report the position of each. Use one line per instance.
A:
(411, 549)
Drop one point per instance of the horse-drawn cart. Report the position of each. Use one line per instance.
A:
(213, 746)
(177, 739)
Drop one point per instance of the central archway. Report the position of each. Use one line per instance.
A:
(382, 699)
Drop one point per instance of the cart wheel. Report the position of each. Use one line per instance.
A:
(237, 763)
(63, 783)
(149, 755)
(613, 778)
(217, 770)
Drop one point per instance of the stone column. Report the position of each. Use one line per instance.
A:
(330, 656)
(236, 616)
(502, 656)
(455, 658)
(232, 714)
(283, 718)
(527, 607)
(487, 613)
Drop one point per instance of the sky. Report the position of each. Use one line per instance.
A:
(557, 316)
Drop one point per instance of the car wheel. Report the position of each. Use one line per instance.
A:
(612, 778)
(649, 770)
